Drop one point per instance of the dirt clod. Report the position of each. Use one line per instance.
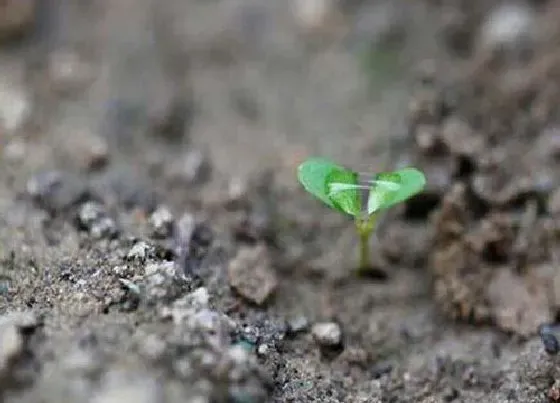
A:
(251, 274)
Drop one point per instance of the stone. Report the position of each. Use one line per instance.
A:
(251, 275)
(161, 222)
(508, 24)
(93, 217)
(139, 251)
(327, 334)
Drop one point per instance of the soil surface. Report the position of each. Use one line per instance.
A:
(155, 245)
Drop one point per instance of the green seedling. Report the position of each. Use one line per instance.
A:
(361, 196)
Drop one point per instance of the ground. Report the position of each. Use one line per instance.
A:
(155, 244)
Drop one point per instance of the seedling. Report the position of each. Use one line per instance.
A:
(362, 196)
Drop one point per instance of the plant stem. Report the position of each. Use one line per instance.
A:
(365, 227)
(364, 251)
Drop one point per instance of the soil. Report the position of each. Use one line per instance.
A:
(154, 242)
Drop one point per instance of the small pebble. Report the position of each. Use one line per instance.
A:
(262, 349)
(139, 251)
(89, 213)
(549, 340)
(327, 334)
(200, 297)
(104, 228)
(508, 24)
(298, 324)
(161, 222)
(251, 275)
(93, 218)
(251, 334)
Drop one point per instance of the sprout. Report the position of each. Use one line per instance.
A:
(361, 196)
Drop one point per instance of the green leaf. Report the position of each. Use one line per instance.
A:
(390, 188)
(340, 188)
(333, 184)
(344, 192)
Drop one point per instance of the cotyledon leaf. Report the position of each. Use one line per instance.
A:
(313, 173)
(340, 189)
(390, 188)
(344, 192)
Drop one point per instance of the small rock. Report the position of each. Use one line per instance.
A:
(200, 297)
(298, 324)
(161, 222)
(164, 283)
(104, 228)
(262, 349)
(251, 334)
(89, 213)
(251, 275)
(139, 251)
(549, 339)
(327, 334)
(93, 218)
(192, 241)
(508, 24)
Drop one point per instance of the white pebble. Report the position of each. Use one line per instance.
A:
(327, 334)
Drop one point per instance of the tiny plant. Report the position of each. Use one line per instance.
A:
(361, 196)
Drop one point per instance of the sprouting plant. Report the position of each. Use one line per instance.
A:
(361, 196)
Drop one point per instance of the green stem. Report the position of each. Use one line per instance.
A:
(365, 228)
(364, 251)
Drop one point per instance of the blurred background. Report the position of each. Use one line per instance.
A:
(239, 83)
